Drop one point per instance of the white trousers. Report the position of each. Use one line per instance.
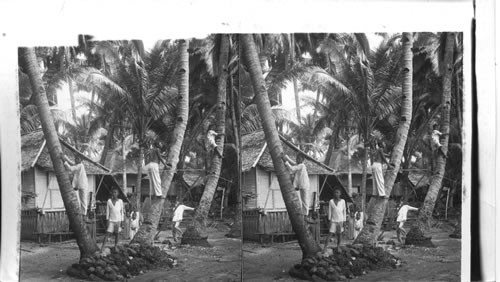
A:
(378, 179)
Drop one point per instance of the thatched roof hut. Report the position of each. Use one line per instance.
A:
(254, 152)
(35, 153)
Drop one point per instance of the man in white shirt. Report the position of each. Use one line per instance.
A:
(177, 218)
(115, 212)
(80, 182)
(337, 214)
(401, 219)
(300, 180)
(153, 169)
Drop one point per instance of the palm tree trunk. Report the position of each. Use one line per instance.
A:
(124, 170)
(377, 206)
(148, 229)
(306, 240)
(364, 176)
(138, 183)
(236, 229)
(196, 232)
(85, 243)
(422, 226)
(331, 145)
(316, 107)
(87, 129)
(349, 170)
(108, 142)
(295, 90)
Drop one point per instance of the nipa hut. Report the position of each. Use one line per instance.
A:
(42, 207)
(264, 211)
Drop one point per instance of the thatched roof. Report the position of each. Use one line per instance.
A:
(194, 178)
(255, 153)
(419, 178)
(35, 152)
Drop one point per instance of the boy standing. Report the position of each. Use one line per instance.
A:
(358, 223)
(401, 219)
(336, 216)
(115, 215)
(134, 223)
(178, 216)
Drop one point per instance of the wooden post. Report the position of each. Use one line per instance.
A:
(447, 197)
(222, 202)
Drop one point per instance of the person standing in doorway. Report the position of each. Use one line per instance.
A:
(403, 209)
(177, 218)
(80, 182)
(115, 212)
(300, 180)
(337, 212)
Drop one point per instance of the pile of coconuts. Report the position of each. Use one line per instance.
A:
(343, 263)
(121, 263)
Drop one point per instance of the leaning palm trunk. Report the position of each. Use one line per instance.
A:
(422, 226)
(148, 229)
(196, 232)
(237, 225)
(376, 206)
(138, 182)
(85, 243)
(364, 176)
(307, 243)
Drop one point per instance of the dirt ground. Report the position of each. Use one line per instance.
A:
(222, 262)
(219, 263)
(271, 263)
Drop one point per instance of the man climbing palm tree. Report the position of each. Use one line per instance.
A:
(300, 180)
(153, 169)
(80, 182)
(378, 157)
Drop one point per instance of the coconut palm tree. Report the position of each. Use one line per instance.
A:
(85, 243)
(359, 84)
(147, 231)
(145, 92)
(249, 54)
(195, 232)
(377, 206)
(416, 234)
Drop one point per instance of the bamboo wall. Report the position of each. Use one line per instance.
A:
(33, 222)
(248, 188)
(273, 222)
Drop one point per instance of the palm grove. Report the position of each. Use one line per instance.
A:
(164, 98)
